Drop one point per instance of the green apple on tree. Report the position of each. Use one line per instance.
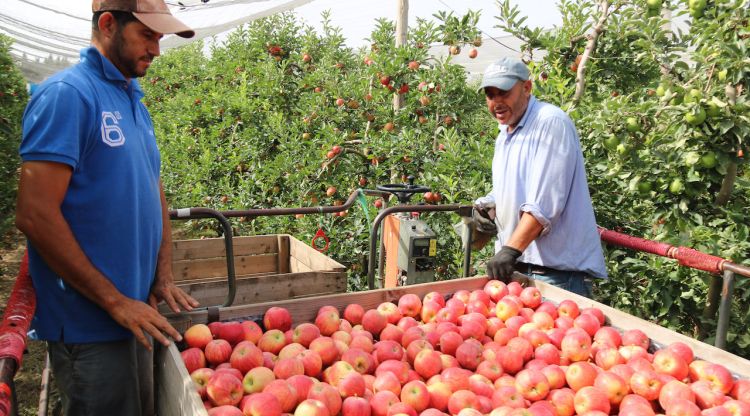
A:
(708, 160)
(696, 116)
(676, 186)
(632, 125)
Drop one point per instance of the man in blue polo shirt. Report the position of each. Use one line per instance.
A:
(539, 205)
(91, 204)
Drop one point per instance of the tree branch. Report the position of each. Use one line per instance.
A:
(589, 50)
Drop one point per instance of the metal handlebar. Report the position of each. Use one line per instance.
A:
(194, 213)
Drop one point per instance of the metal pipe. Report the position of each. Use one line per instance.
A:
(8, 404)
(725, 310)
(737, 269)
(467, 250)
(194, 213)
(44, 388)
(267, 212)
(374, 232)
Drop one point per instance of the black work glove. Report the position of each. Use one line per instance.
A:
(483, 217)
(502, 265)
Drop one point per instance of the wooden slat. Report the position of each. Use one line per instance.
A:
(217, 266)
(304, 310)
(306, 258)
(214, 247)
(175, 392)
(283, 259)
(254, 289)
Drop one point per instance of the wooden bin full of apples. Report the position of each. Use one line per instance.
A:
(466, 347)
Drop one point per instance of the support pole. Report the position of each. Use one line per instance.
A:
(725, 310)
(402, 27)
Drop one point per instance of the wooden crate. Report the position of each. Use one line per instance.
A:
(177, 397)
(267, 268)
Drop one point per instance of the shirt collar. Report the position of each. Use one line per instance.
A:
(93, 58)
(529, 109)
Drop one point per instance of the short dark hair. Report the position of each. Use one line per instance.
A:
(122, 18)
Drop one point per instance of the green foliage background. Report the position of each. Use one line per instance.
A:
(13, 98)
(251, 126)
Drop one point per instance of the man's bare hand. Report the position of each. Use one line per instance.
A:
(141, 318)
(165, 290)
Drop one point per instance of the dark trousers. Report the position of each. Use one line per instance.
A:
(108, 378)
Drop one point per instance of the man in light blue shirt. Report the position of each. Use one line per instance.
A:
(542, 209)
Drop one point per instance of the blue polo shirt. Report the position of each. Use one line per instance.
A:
(538, 168)
(91, 119)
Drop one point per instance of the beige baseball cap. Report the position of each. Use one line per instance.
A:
(153, 13)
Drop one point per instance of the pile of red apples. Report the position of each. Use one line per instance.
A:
(501, 350)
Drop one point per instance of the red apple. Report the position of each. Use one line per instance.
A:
(193, 358)
(388, 350)
(635, 337)
(272, 341)
(257, 379)
(200, 379)
(277, 318)
(328, 395)
(328, 322)
(705, 396)
(326, 348)
(262, 404)
(580, 374)
(352, 385)
(427, 363)
(382, 401)
(415, 394)
(225, 410)
(589, 399)
(576, 345)
(305, 333)
(233, 332)
(356, 406)
(197, 336)
(353, 313)
(462, 399)
(667, 361)
(252, 331)
(410, 305)
(218, 351)
(532, 384)
(311, 407)
(469, 354)
(531, 297)
(646, 384)
(224, 389)
(284, 393)
(373, 321)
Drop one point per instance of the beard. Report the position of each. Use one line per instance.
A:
(127, 65)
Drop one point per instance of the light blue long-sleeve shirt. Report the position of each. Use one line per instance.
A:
(538, 168)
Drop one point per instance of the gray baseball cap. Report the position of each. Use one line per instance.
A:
(504, 73)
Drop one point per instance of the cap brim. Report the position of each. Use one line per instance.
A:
(501, 83)
(165, 23)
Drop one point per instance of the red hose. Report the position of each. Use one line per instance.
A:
(685, 256)
(18, 314)
(16, 321)
(635, 243)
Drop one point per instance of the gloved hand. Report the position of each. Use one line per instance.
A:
(502, 265)
(483, 218)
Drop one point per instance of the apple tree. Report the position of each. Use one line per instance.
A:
(13, 98)
(658, 92)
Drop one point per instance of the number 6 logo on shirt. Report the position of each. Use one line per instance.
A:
(112, 135)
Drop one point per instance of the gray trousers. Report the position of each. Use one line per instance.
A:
(108, 378)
